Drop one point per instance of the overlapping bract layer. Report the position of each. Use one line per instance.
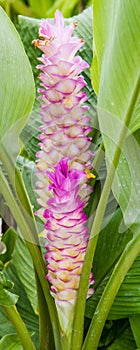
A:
(64, 150)
(65, 126)
(67, 235)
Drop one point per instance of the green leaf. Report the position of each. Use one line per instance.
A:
(25, 270)
(110, 245)
(127, 301)
(7, 298)
(10, 342)
(23, 305)
(125, 341)
(112, 332)
(17, 85)
(9, 239)
(135, 326)
(16, 99)
(116, 51)
(114, 74)
(126, 186)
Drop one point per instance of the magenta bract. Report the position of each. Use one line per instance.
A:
(65, 128)
(62, 159)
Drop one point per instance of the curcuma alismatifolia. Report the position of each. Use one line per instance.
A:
(63, 161)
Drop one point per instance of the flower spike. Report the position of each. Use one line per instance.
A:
(65, 128)
(63, 162)
(67, 238)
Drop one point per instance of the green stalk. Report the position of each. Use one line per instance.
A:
(98, 160)
(65, 343)
(20, 327)
(35, 252)
(46, 338)
(77, 335)
(41, 271)
(126, 260)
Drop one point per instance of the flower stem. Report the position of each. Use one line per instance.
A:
(20, 327)
(126, 260)
(46, 338)
(77, 335)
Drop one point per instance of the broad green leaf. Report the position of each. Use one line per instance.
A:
(127, 301)
(117, 52)
(25, 270)
(135, 326)
(28, 29)
(9, 239)
(115, 69)
(6, 325)
(110, 244)
(112, 331)
(6, 297)
(16, 88)
(126, 186)
(16, 99)
(23, 305)
(10, 342)
(125, 341)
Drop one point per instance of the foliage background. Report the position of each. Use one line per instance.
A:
(122, 327)
(43, 8)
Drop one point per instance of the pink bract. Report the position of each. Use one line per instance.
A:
(65, 128)
(67, 236)
(61, 162)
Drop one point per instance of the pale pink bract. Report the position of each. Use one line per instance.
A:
(67, 237)
(65, 128)
(61, 161)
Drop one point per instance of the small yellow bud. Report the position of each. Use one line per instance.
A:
(89, 174)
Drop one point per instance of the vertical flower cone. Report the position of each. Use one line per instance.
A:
(65, 128)
(67, 239)
(63, 157)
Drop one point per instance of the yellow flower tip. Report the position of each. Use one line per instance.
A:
(75, 24)
(89, 174)
(36, 42)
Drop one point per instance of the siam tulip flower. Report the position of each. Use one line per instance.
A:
(67, 238)
(64, 162)
(65, 128)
